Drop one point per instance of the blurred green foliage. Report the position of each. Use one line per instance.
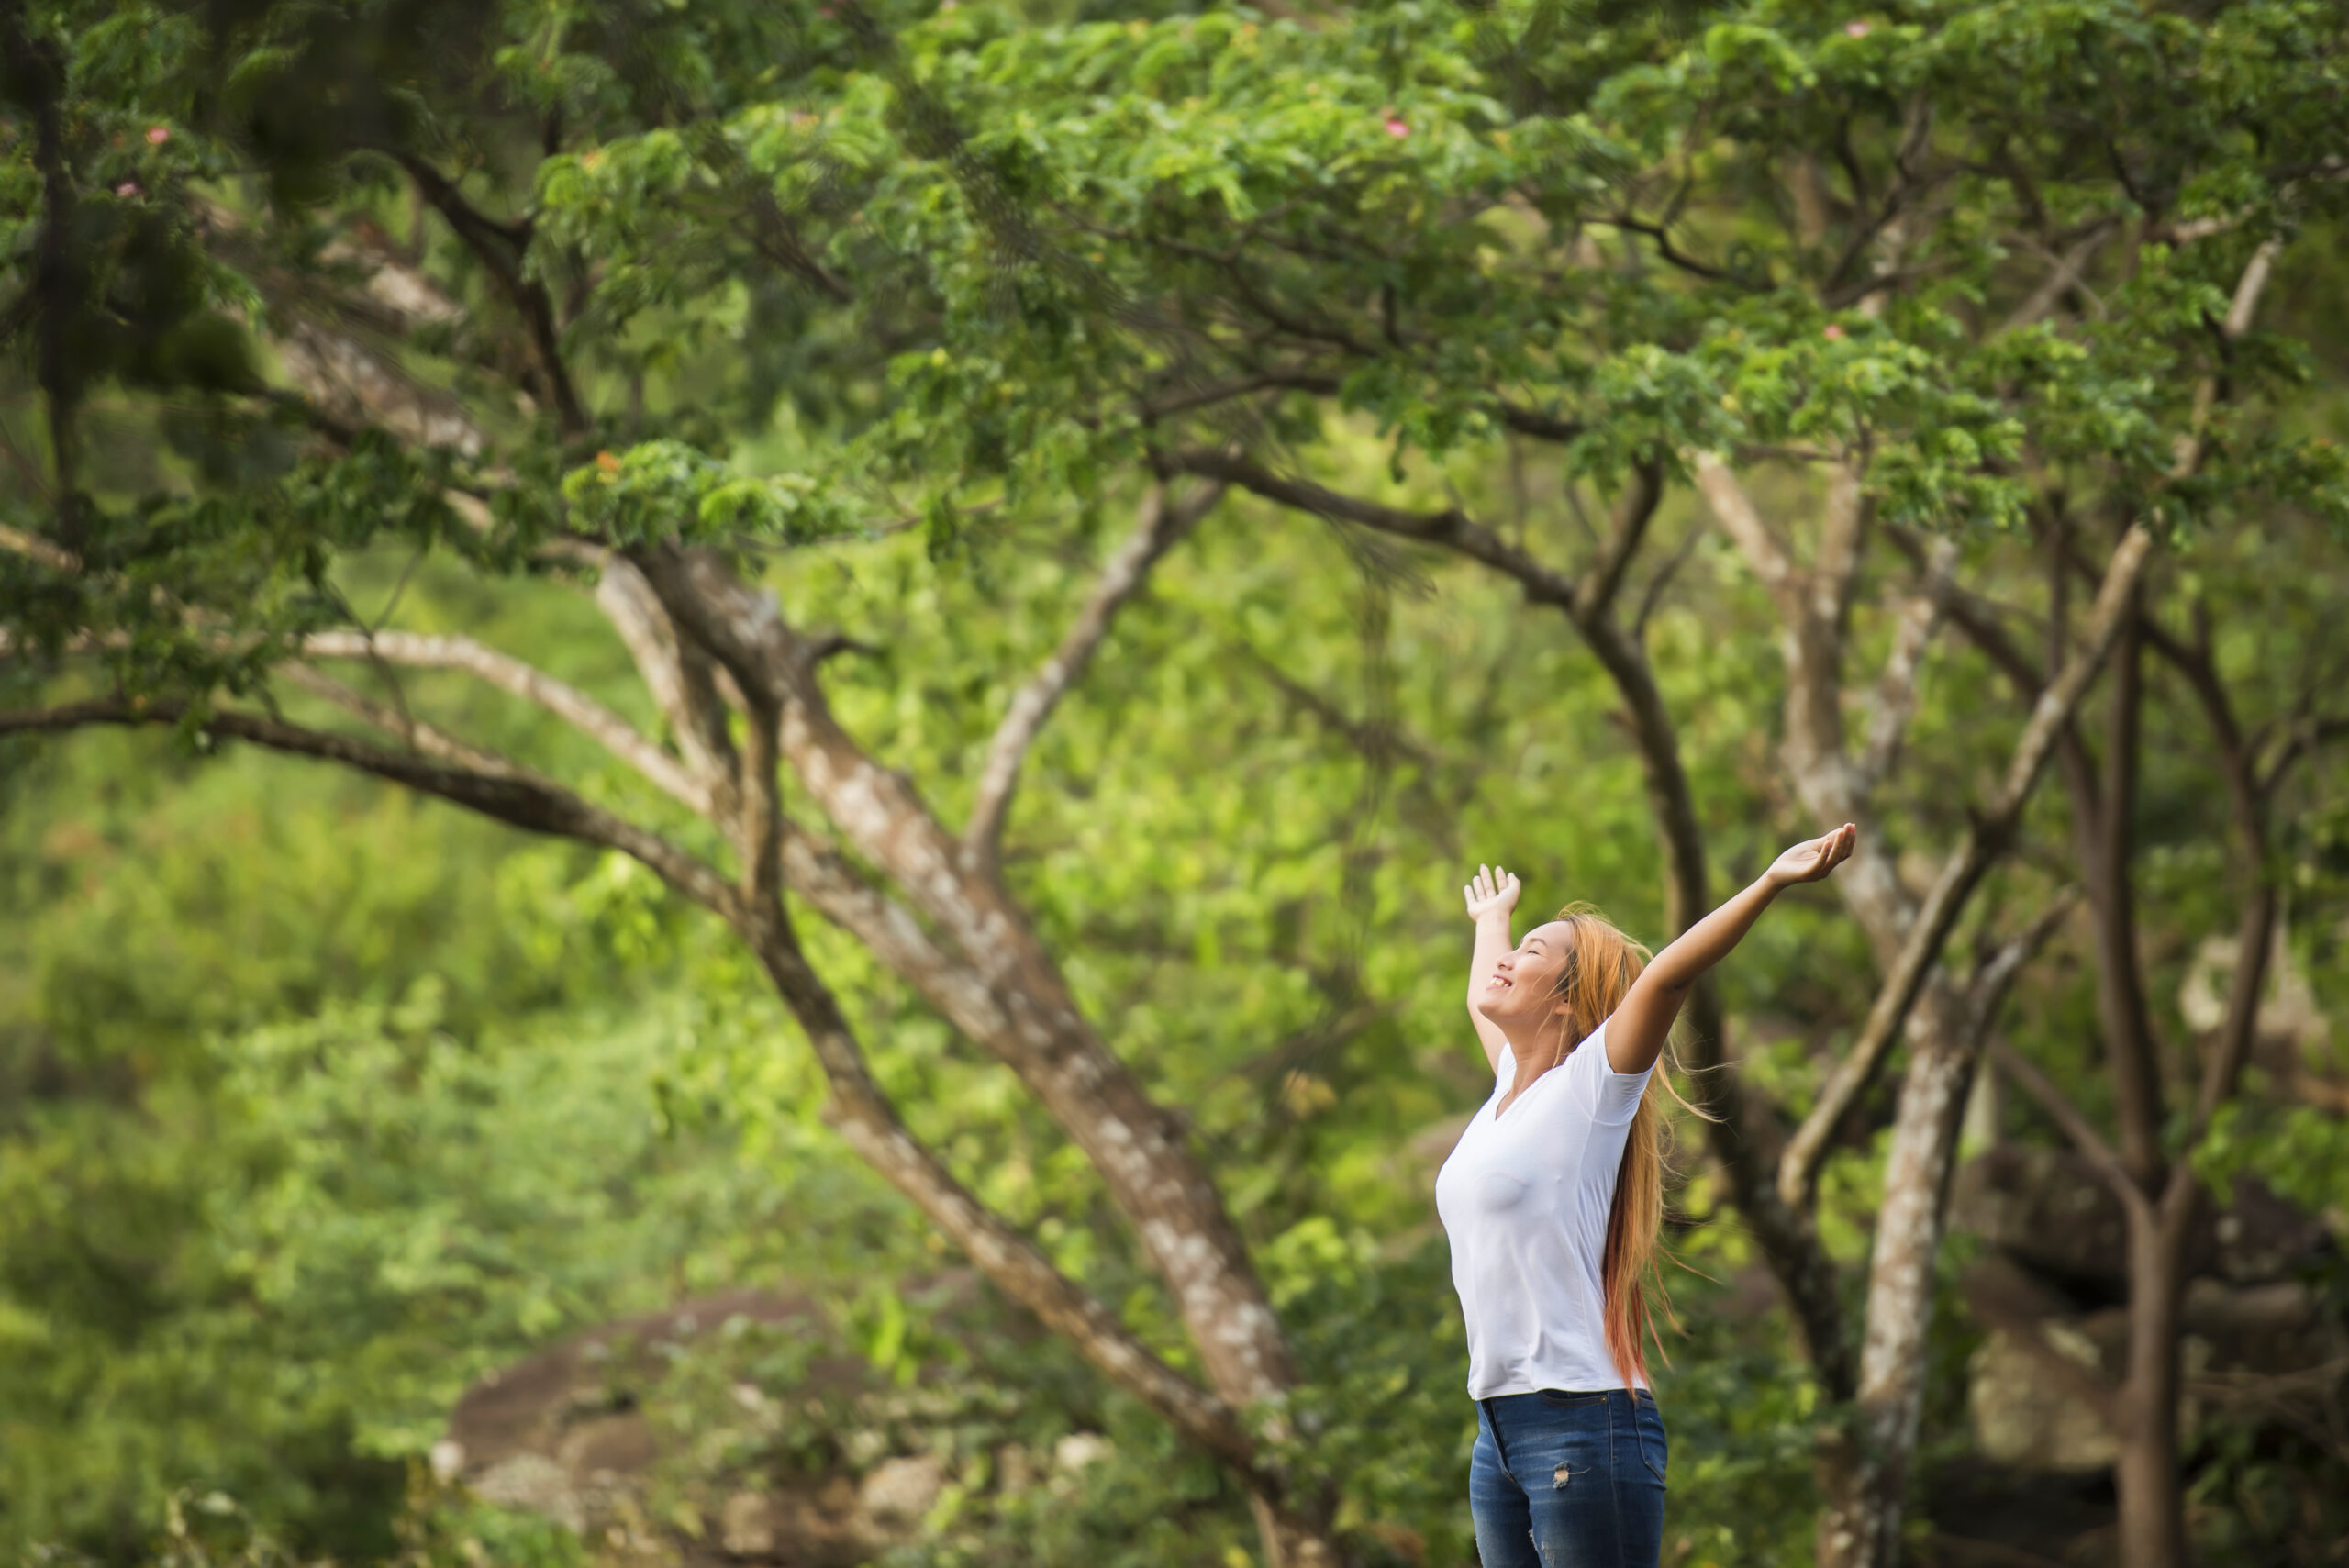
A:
(318, 1102)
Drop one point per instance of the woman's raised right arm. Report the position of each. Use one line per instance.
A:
(1492, 896)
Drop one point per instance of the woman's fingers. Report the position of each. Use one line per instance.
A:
(1836, 848)
(1491, 883)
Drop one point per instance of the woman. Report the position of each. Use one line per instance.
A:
(1553, 1199)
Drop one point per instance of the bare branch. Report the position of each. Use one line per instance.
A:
(1983, 621)
(1984, 842)
(500, 247)
(500, 789)
(1742, 520)
(350, 382)
(2306, 735)
(2062, 278)
(1372, 740)
(1987, 836)
(1138, 1147)
(2075, 1126)
(1894, 701)
(870, 1125)
(1985, 990)
(680, 676)
(1652, 595)
(1514, 416)
(508, 673)
(1450, 528)
(1810, 607)
(1162, 524)
(857, 1110)
(1843, 524)
(394, 719)
(1661, 234)
(1633, 511)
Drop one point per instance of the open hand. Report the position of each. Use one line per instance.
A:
(1814, 858)
(1493, 893)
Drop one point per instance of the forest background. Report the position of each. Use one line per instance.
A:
(1006, 562)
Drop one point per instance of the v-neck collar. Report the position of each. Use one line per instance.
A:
(1520, 1094)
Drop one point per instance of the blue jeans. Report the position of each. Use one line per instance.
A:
(1568, 1479)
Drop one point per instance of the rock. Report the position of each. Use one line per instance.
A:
(2261, 1237)
(901, 1491)
(2028, 1415)
(607, 1447)
(532, 1406)
(2288, 1013)
(746, 1525)
(535, 1483)
(2046, 1207)
(1078, 1450)
(447, 1460)
(837, 1496)
(561, 1434)
(2023, 1416)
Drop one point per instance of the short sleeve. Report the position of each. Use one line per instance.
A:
(1610, 1096)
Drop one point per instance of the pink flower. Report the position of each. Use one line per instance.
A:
(1856, 30)
(1834, 333)
(158, 134)
(128, 188)
(1397, 126)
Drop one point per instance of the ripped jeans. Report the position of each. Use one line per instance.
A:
(1567, 1480)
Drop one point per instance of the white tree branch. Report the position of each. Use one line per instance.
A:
(1894, 701)
(510, 674)
(1742, 520)
(680, 676)
(1162, 524)
(459, 773)
(870, 1125)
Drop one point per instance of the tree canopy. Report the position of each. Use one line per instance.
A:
(1013, 553)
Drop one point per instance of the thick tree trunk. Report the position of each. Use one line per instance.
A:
(2105, 831)
(2153, 1519)
(1293, 1538)
(1139, 1149)
(1864, 1468)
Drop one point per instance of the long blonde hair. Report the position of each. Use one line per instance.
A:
(1601, 963)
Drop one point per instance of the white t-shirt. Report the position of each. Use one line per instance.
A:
(1524, 1199)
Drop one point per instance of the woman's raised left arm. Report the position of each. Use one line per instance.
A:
(1635, 1035)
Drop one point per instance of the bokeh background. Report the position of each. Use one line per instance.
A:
(380, 1180)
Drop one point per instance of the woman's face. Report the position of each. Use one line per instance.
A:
(1522, 992)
